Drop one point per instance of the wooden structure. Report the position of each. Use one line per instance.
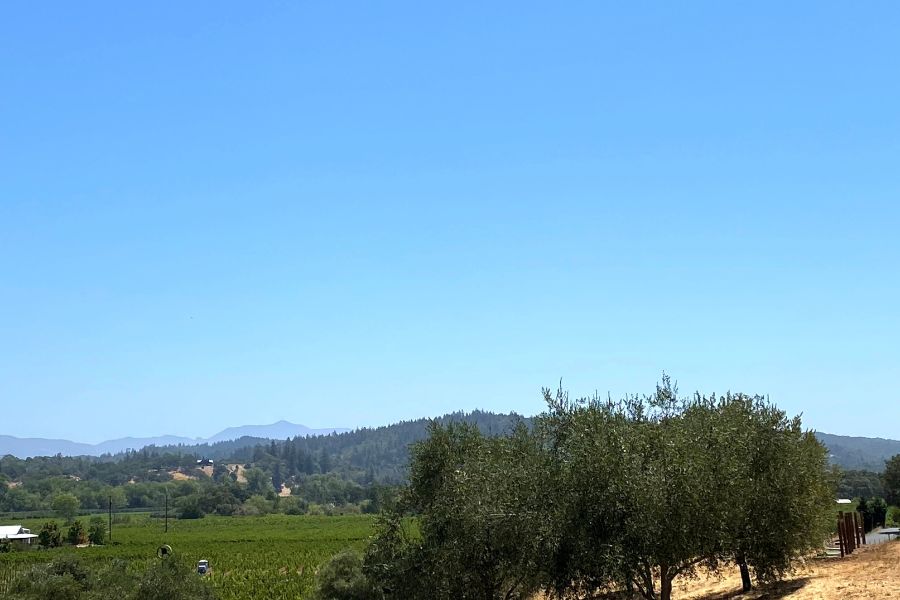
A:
(851, 532)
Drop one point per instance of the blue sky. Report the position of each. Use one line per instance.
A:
(344, 214)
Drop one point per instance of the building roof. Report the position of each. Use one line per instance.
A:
(15, 532)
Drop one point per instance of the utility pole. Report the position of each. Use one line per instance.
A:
(167, 511)
(110, 518)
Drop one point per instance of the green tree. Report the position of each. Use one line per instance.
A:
(76, 534)
(342, 578)
(50, 536)
(657, 486)
(97, 531)
(891, 480)
(66, 506)
(293, 505)
(189, 507)
(780, 488)
(483, 527)
(878, 509)
(258, 482)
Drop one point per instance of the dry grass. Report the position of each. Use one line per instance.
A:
(238, 470)
(871, 573)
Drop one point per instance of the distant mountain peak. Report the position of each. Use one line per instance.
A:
(25, 447)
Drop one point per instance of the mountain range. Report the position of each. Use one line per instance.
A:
(848, 452)
(26, 447)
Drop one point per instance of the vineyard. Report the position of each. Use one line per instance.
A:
(273, 556)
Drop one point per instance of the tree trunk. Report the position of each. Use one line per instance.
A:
(665, 587)
(746, 584)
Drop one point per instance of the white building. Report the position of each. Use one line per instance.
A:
(16, 533)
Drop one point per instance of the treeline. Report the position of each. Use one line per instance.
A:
(368, 455)
(599, 496)
(350, 469)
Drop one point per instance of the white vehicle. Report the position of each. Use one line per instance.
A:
(203, 567)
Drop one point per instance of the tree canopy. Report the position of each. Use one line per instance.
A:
(607, 495)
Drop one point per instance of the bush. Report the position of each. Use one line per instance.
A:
(258, 504)
(893, 519)
(63, 579)
(66, 578)
(76, 534)
(97, 531)
(50, 536)
(292, 505)
(171, 580)
(188, 507)
(342, 578)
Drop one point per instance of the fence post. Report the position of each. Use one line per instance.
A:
(840, 528)
(851, 538)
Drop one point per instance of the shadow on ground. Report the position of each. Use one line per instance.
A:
(773, 591)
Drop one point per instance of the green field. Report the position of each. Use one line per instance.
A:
(273, 556)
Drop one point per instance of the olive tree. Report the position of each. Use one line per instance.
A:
(482, 526)
(660, 485)
(602, 495)
(775, 476)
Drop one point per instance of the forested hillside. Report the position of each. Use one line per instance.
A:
(335, 468)
(859, 452)
(338, 468)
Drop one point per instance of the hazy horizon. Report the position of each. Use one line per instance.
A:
(223, 214)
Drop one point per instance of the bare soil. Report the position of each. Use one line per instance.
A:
(870, 573)
(238, 470)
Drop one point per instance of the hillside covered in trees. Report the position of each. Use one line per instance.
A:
(336, 468)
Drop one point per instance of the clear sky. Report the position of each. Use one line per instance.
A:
(346, 214)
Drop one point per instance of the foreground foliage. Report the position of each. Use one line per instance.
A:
(68, 578)
(606, 495)
(252, 558)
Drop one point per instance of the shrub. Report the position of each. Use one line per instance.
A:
(292, 505)
(50, 536)
(259, 503)
(76, 534)
(66, 578)
(342, 578)
(893, 519)
(172, 580)
(97, 531)
(188, 507)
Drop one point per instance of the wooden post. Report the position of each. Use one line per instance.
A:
(851, 538)
(856, 528)
(840, 528)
